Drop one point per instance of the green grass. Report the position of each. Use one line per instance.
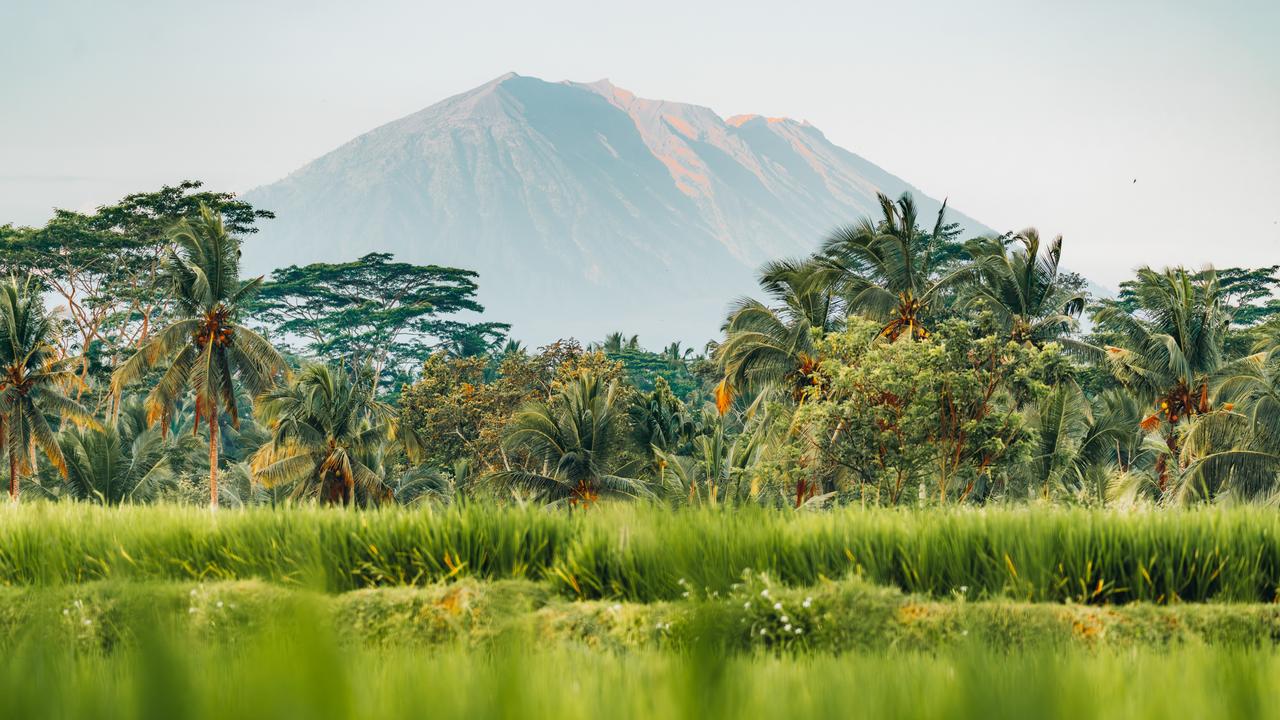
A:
(294, 671)
(637, 612)
(642, 554)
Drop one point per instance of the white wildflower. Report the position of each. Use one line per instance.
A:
(777, 606)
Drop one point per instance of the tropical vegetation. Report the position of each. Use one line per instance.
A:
(899, 364)
(944, 475)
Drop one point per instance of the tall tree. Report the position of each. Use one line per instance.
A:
(1235, 449)
(105, 265)
(127, 461)
(770, 346)
(328, 433)
(1169, 347)
(577, 444)
(374, 311)
(1022, 287)
(1247, 294)
(204, 350)
(34, 380)
(891, 271)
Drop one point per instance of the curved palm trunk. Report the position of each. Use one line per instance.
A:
(213, 462)
(13, 478)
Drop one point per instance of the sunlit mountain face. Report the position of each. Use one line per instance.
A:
(585, 208)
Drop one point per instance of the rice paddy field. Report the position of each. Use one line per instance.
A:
(638, 612)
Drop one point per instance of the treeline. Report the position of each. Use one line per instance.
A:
(898, 364)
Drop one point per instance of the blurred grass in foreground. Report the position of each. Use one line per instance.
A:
(291, 670)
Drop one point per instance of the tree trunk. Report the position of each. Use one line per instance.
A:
(213, 462)
(13, 478)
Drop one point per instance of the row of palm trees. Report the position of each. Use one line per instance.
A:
(1162, 351)
(891, 271)
(325, 427)
(328, 436)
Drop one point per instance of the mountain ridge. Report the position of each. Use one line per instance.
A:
(584, 207)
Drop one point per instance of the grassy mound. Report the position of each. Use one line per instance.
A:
(833, 617)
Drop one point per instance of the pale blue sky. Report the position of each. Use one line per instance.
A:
(1021, 112)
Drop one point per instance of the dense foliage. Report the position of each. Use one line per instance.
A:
(897, 365)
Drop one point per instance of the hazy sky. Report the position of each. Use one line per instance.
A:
(1021, 112)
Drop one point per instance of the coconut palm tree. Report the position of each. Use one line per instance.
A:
(714, 469)
(34, 382)
(888, 270)
(577, 445)
(675, 355)
(204, 352)
(659, 422)
(1022, 288)
(328, 433)
(127, 461)
(1169, 348)
(1082, 445)
(1235, 449)
(771, 346)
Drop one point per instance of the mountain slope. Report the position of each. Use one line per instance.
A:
(584, 208)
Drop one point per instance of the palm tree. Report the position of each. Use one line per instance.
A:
(772, 346)
(1169, 348)
(34, 381)
(889, 271)
(676, 355)
(577, 445)
(510, 347)
(123, 462)
(1082, 445)
(327, 436)
(1235, 450)
(204, 352)
(659, 422)
(616, 342)
(714, 469)
(1023, 287)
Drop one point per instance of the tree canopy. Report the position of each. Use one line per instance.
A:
(388, 315)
